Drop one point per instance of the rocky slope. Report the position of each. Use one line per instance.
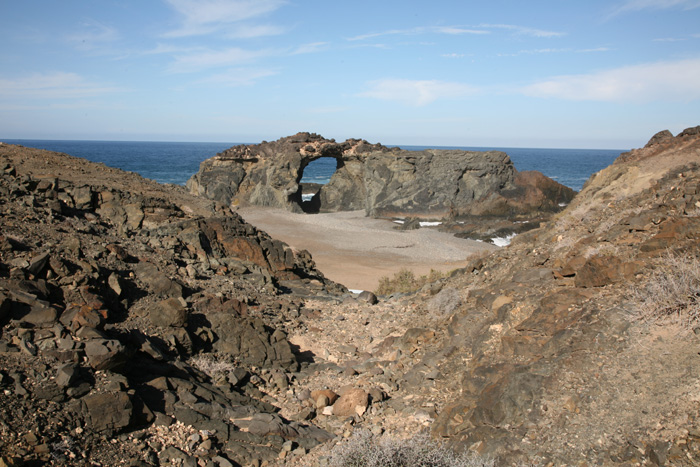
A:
(379, 180)
(170, 332)
(117, 295)
(539, 354)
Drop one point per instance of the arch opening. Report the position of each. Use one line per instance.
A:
(313, 176)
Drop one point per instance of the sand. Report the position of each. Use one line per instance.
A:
(357, 251)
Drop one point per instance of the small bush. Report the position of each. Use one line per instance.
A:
(212, 366)
(405, 281)
(363, 450)
(672, 292)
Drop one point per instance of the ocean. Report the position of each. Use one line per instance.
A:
(171, 162)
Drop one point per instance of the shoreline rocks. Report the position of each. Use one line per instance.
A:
(382, 181)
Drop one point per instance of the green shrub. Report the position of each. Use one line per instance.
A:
(364, 450)
(671, 292)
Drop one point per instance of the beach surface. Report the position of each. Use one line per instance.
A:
(357, 251)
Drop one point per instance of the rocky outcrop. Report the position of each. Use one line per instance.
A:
(380, 180)
(127, 306)
(560, 365)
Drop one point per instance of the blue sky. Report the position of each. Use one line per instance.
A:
(563, 73)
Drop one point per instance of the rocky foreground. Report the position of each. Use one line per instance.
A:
(142, 325)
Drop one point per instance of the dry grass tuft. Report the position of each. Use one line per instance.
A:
(212, 366)
(364, 450)
(672, 292)
(405, 281)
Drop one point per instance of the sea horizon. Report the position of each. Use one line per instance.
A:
(389, 145)
(175, 162)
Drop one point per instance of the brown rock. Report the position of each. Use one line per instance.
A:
(169, 313)
(108, 411)
(353, 401)
(329, 396)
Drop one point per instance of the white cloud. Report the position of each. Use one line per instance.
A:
(523, 30)
(204, 59)
(208, 16)
(639, 5)
(252, 31)
(416, 92)
(239, 77)
(673, 80)
(449, 30)
(57, 85)
(310, 48)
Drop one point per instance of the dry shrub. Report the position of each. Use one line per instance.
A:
(405, 281)
(672, 292)
(364, 450)
(212, 366)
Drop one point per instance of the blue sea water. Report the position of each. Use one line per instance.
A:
(174, 162)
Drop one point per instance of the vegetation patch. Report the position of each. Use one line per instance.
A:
(672, 292)
(364, 450)
(405, 281)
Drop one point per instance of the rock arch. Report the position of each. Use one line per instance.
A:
(313, 205)
(381, 181)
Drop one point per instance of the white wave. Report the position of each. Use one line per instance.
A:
(430, 224)
(503, 241)
(307, 196)
(398, 221)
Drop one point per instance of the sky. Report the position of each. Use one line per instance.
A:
(561, 73)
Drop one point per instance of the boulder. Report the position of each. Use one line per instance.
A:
(105, 354)
(107, 412)
(354, 401)
(169, 313)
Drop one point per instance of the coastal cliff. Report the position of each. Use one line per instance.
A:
(382, 181)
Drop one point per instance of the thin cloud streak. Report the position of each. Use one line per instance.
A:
(56, 85)
(216, 58)
(449, 30)
(523, 30)
(310, 48)
(239, 77)
(416, 93)
(661, 81)
(640, 5)
(201, 17)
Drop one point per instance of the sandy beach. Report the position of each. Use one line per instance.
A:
(357, 251)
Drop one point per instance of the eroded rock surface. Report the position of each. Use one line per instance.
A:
(381, 181)
(127, 306)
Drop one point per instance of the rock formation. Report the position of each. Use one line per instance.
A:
(145, 326)
(117, 298)
(380, 180)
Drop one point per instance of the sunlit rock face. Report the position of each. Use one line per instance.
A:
(380, 180)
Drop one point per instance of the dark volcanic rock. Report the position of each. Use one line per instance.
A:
(109, 283)
(382, 181)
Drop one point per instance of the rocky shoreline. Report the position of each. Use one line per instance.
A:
(143, 325)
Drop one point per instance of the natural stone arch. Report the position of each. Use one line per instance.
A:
(382, 181)
(314, 205)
